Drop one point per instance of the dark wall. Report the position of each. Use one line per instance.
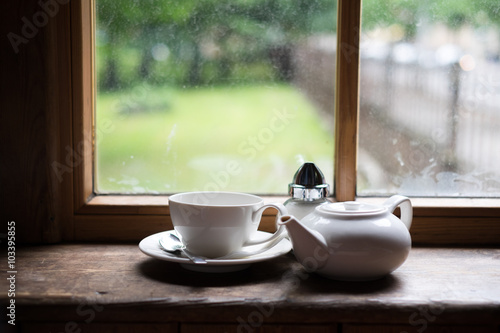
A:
(28, 191)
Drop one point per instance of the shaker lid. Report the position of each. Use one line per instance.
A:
(308, 183)
(352, 208)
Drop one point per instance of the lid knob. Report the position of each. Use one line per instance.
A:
(308, 183)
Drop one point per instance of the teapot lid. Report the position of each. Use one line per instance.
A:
(352, 208)
(308, 183)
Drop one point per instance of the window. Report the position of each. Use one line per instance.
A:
(118, 217)
(429, 98)
(212, 95)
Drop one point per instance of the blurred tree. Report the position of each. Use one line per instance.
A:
(139, 24)
(112, 19)
(227, 32)
(236, 30)
(407, 13)
(403, 14)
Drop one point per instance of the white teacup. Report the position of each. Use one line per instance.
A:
(215, 224)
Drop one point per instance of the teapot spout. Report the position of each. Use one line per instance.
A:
(309, 246)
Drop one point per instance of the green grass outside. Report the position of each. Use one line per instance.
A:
(241, 138)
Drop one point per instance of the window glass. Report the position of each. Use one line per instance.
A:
(212, 95)
(430, 98)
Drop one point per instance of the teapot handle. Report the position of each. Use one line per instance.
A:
(406, 208)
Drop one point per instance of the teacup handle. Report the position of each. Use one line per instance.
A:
(257, 215)
(406, 208)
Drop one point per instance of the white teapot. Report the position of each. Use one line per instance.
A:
(352, 241)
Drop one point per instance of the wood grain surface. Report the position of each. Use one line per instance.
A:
(118, 284)
(347, 98)
(46, 166)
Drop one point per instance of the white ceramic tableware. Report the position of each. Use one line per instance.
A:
(173, 244)
(352, 240)
(215, 224)
(151, 247)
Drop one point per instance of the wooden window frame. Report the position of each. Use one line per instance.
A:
(92, 217)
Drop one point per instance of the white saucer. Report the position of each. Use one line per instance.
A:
(150, 246)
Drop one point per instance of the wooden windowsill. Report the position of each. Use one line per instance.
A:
(436, 221)
(102, 283)
(158, 204)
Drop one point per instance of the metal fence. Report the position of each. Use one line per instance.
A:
(458, 110)
(446, 120)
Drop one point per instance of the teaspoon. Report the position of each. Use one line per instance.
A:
(173, 244)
